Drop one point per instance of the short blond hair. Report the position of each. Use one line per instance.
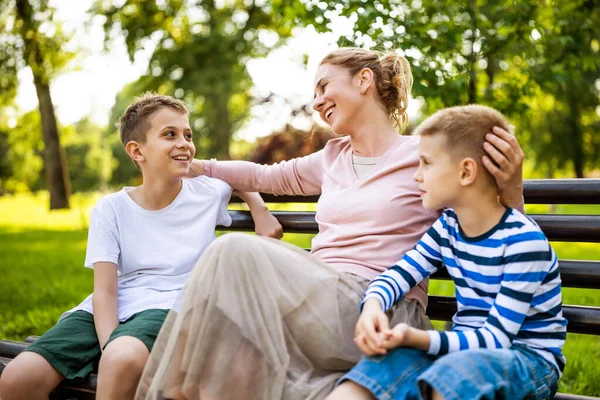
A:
(465, 128)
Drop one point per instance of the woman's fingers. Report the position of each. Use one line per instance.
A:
(499, 150)
(508, 138)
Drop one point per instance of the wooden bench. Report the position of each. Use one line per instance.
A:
(564, 228)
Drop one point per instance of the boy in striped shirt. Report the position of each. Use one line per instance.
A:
(507, 335)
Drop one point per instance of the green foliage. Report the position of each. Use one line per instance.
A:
(31, 37)
(88, 156)
(536, 61)
(200, 56)
(42, 29)
(24, 154)
(6, 168)
(88, 153)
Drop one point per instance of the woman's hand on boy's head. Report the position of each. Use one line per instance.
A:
(369, 333)
(504, 160)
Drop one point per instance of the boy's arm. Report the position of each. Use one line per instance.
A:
(522, 277)
(105, 300)
(265, 224)
(416, 265)
(389, 287)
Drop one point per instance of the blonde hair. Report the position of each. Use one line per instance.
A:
(393, 77)
(465, 128)
(135, 121)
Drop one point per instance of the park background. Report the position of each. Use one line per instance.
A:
(69, 68)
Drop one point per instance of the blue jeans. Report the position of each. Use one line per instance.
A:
(403, 373)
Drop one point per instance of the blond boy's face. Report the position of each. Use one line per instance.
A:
(169, 149)
(438, 175)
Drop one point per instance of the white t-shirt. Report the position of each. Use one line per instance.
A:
(155, 251)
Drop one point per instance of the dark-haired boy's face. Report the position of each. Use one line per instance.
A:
(438, 175)
(168, 150)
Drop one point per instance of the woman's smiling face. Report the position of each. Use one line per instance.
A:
(337, 97)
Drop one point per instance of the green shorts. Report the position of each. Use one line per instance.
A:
(72, 347)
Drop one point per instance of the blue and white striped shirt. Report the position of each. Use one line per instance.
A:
(508, 286)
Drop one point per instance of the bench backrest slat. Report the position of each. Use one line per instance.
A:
(581, 319)
(535, 191)
(573, 273)
(565, 228)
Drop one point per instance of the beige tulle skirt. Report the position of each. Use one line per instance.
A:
(260, 319)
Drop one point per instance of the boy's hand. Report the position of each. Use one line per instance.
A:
(265, 224)
(370, 328)
(404, 335)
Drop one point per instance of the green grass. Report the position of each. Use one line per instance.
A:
(42, 275)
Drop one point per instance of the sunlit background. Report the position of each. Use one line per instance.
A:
(245, 70)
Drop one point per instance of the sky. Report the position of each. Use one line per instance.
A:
(89, 87)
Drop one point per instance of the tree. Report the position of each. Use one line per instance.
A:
(566, 67)
(23, 44)
(511, 55)
(201, 52)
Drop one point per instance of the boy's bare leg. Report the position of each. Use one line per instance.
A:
(120, 368)
(435, 395)
(29, 376)
(349, 390)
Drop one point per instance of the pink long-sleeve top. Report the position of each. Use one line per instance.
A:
(365, 224)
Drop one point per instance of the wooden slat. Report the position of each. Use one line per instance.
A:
(535, 191)
(577, 274)
(573, 273)
(74, 391)
(571, 228)
(10, 348)
(581, 319)
(562, 191)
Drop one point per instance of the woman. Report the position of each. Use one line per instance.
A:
(262, 319)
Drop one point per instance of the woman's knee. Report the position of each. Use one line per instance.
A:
(27, 375)
(124, 355)
(233, 251)
(234, 244)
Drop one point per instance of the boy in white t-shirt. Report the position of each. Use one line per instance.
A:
(143, 243)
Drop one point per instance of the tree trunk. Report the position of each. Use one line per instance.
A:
(55, 166)
(574, 125)
(491, 74)
(473, 56)
(219, 146)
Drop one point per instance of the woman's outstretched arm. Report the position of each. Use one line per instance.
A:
(300, 176)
